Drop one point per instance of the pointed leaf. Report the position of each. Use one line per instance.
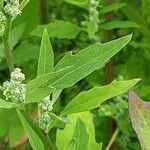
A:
(139, 113)
(33, 136)
(46, 56)
(91, 99)
(86, 61)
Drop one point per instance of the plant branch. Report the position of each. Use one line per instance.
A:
(112, 139)
(7, 48)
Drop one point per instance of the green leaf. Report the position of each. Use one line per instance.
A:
(80, 136)
(139, 113)
(31, 131)
(134, 15)
(59, 28)
(112, 7)
(118, 24)
(15, 138)
(7, 105)
(64, 136)
(79, 3)
(86, 61)
(72, 68)
(91, 99)
(38, 94)
(24, 3)
(46, 56)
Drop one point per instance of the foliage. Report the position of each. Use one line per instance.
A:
(66, 67)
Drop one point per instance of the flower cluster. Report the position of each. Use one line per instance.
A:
(44, 107)
(12, 8)
(2, 23)
(15, 89)
(93, 12)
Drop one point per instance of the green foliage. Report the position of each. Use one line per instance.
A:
(63, 48)
(59, 28)
(88, 100)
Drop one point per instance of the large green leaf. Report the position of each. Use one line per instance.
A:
(59, 28)
(88, 100)
(86, 61)
(139, 113)
(46, 56)
(64, 136)
(72, 68)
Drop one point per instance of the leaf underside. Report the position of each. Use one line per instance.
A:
(139, 112)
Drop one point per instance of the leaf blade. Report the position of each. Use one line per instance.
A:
(88, 100)
(46, 56)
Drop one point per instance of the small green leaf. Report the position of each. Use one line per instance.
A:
(112, 7)
(59, 28)
(139, 113)
(80, 3)
(46, 56)
(64, 136)
(80, 136)
(118, 24)
(91, 99)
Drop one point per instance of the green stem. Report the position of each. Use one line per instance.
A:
(7, 48)
(112, 139)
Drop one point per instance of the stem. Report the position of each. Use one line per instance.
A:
(44, 11)
(7, 49)
(112, 139)
(109, 75)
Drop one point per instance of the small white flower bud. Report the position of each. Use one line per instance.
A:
(2, 23)
(12, 8)
(44, 121)
(14, 89)
(17, 75)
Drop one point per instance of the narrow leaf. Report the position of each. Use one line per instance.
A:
(86, 61)
(31, 131)
(118, 24)
(139, 113)
(91, 99)
(46, 56)
(112, 7)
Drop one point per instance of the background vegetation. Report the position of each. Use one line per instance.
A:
(72, 25)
